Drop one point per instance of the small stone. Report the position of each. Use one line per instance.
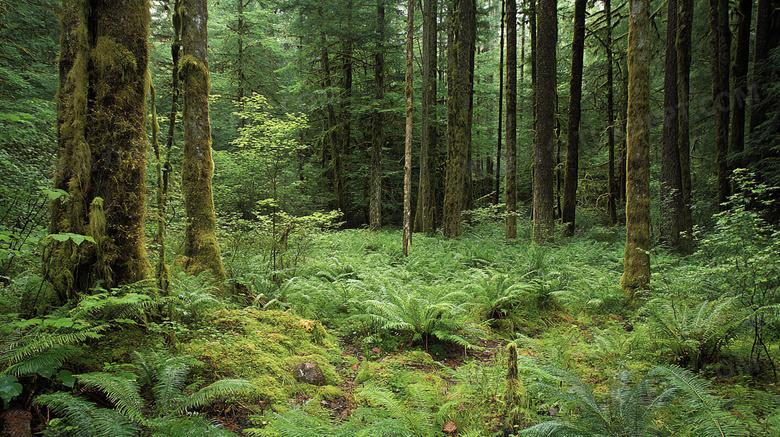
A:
(310, 373)
(449, 428)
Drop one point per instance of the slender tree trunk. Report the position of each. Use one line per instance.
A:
(636, 270)
(241, 31)
(612, 184)
(573, 131)
(719, 36)
(511, 119)
(684, 31)
(101, 126)
(671, 178)
(200, 245)
(344, 143)
(375, 205)
(544, 150)
(426, 202)
(500, 104)
(407, 237)
(762, 74)
(740, 70)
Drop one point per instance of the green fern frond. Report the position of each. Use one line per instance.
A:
(221, 388)
(36, 343)
(122, 392)
(87, 419)
(170, 377)
(177, 426)
(558, 429)
(415, 420)
(49, 359)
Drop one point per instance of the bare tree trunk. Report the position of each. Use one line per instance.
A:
(573, 132)
(511, 120)
(500, 103)
(719, 40)
(407, 237)
(375, 204)
(740, 70)
(684, 31)
(544, 150)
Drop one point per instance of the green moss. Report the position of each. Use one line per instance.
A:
(263, 347)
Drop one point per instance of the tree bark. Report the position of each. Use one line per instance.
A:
(544, 148)
(511, 120)
(101, 126)
(200, 245)
(573, 131)
(636, 270)
(407, 237)
(739, 95)
(684, 31)
(499, 131)
(611, 182)
(377, 141)
(426, 202)
(720, 38)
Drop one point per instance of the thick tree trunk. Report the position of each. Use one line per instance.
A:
(426, 202)
(407, 237)
(544, 148)
(377, 140)
(101, 120)
(460, 53)
(636, 270)
(511, 119)
(762, 74)
(740, 95)
(344, 143)
(499, 131)
(573, 133)
(684, 31)
(200, 245)
(720, 38)
(672, 200)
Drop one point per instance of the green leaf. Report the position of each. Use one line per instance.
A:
(9, 388)
(66, 378)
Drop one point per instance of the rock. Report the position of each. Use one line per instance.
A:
(310, 373)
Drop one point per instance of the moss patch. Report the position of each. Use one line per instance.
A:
(263, 347)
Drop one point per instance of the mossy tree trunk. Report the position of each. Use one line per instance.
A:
(612, 183)
(683, 45)
(201, 248)
(101, 117)
(544, 147)
(510, 229)
(460, 53)
(571, 178)
(636, 270)
(720, 47)
(740, 91)
(499, 130)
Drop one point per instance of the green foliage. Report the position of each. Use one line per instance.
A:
(159, 375)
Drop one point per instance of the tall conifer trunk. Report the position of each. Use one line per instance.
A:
(101, 121)
(719, 38)
(511, 119)
(740, 95)
(636, 270)
(426, 199)
(499, 130)
(544, 148)
(407, 237)
(573, 131)
(200, 245)
(377, 141)
(683, 45)
(611, 182)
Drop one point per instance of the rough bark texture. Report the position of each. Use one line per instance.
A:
(683, 45)
(740, 95)
(719, 40)
(612, 183)
(426, 202)
(636, 270)
(377, 140)
(671, 178)
(407, 237)
(101, 116)
(200, 242)
(511, 119)
(544, 147)
(459, 52)
(499, 130)
(762, 67)
(573, 133)
(341, 153)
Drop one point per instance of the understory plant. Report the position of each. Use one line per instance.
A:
(152, 400)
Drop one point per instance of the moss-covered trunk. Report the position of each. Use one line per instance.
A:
(101, 117)
(426, 201)
(377, 135)
(544, 147)
(636, 270)
(510, 229)
(201, 248)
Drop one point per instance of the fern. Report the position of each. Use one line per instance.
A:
(221, 388)
(121, 391)
(87, 419)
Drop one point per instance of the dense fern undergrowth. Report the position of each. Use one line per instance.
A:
(475, 336)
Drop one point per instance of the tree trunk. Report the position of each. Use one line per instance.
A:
(460, 52)
(762, 74)
(200, 245)
(426, 202)
(636, 270)
(573, 132)
(684, 31)
(407, 237)
(671, 177)
(511, 119)
(611, 182)
(499, 131)
(544, 148)
(377, 141)
(740, 70)
(720, 38)
(344, 142)
(101, 125)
